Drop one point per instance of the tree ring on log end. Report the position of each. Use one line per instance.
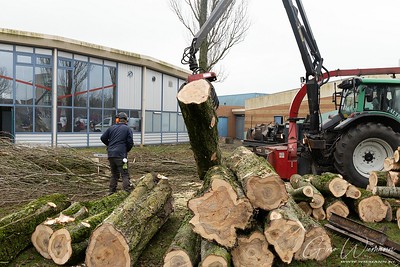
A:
(177, 258)
(267, 193)
(40, 239)
(60, 248)
(195, 92)
(214, 261)
(107, 247)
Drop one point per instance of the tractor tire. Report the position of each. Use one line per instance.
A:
(363, 149)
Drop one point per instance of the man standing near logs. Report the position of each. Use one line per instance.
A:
(119, 141)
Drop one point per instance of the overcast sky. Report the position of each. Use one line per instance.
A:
(349, 34)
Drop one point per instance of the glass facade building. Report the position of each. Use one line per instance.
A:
(55, 96)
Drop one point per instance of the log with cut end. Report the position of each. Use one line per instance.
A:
(330, 183)
(387, 192)
(221, 208)
(16, 235)
(393, 206)
(252, 250)
(298, 181)
(261, 184)
(284, 231)
(393, 179)
(61, 242)
(352, 192)
(185, 248)
(196, 103)
(120, 238)
(377, 178)
(396, 155)
(305, 206)
(390, 165)
(319, 214)
(398, 217)
(64, 242)
(41, 236)
(337, 206)
(304, 193)
(214, 255)
(370, 208)
(317, 243)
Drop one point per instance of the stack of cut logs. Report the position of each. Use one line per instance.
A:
(245, 213)
(110, 231)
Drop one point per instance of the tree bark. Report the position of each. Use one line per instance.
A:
(261, 184)
(185, 248)
(298, 181)
(337, 206)
(252, 250)
(221, 208)
(330, 183)
(214, 255)
(41, 236)
(16, 235)
(388, 192)
(121, 237)
(284, 231)
(195, 101)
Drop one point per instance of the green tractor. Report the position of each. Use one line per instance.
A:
(366, 129)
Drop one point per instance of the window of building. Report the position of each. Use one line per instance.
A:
(6, 77)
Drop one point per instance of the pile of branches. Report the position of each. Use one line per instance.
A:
(28, 172)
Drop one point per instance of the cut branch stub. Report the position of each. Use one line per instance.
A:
(261, 184)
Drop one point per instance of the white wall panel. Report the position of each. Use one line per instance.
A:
(129, 87)
(170, 89)
(33, 139)
(153, 90)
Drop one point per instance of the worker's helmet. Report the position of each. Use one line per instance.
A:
(122, 116)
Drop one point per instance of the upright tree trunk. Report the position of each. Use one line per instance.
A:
(195, 101)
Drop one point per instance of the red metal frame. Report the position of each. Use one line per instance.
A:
(297, 100)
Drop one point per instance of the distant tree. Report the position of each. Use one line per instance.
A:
(229, 30)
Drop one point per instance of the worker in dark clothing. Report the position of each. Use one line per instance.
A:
(119, 141)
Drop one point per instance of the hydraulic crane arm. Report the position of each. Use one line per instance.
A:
(311, 57)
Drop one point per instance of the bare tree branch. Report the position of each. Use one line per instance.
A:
(230, 29)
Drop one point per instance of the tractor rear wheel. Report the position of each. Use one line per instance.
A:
(363, 149)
